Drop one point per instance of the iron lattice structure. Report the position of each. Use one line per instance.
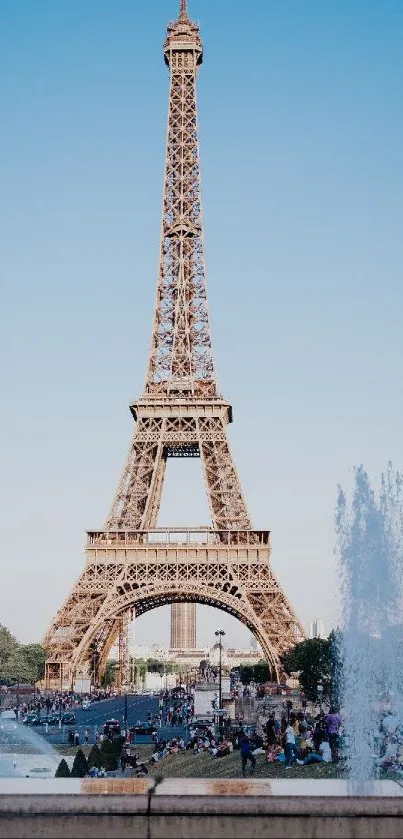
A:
(131, 566)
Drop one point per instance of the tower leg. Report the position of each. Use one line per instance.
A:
(123, 679)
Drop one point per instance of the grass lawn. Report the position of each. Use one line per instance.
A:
(188, 765)
(203, 765)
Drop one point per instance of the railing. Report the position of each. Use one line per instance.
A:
(177, 536)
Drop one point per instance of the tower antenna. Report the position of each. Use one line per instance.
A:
(183, 14)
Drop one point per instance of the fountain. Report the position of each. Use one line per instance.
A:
(23, 753)
(370, 537)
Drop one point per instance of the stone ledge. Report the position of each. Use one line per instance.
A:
(188, 809)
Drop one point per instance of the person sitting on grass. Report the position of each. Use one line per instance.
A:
(140, 767)
(273, 749)
(198, 747)
(223, 748)
(323, 755)
(257, 745)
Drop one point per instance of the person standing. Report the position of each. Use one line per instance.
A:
(332, 726)
(86, 736)
(246, 754)
(290, 748)
(271, 731)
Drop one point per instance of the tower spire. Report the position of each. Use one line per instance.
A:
(183, 13)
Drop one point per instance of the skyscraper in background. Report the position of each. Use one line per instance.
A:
(183, 626)
(317, 629)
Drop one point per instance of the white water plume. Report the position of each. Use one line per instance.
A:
(370, 539)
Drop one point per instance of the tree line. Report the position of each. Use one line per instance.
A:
(24, 663)
(313, 661)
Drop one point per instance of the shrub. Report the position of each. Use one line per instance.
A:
(62, 770)
(80, 766)
(109, 756)
(95, 757)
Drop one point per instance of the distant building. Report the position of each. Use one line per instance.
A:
(230, 657)
(183, 626)
(317, 629)
(253, 643)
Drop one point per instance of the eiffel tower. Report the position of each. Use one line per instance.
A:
(131, 565)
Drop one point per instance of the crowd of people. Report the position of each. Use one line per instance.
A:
(298, 739)
(303, 739)
(180, 710)
(60, 701)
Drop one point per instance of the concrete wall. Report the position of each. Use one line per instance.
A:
(192, 809)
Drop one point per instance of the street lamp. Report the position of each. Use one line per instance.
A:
(61, 692)
(18, 698)
(220, 633)
(125, 713)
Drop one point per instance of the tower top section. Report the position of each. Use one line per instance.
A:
(183, 36)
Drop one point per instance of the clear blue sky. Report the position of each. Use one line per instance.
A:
(301, 122)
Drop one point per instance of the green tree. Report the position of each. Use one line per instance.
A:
(261, 672)
(95, 757)
(109, 675)
(246, 674)
(17, 669)
(155, 666)
(20, 662)
(8, 645)
(109, 756)
(35, 657)
(80, 765)
(62, 770)
(311, 660)
(139, 669)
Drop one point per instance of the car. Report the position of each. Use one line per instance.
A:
(143, 727)
(86, 703)
(32, 719)
(50, 719)
(68, 718)
(112, 726)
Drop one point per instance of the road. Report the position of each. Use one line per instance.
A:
(138, 707)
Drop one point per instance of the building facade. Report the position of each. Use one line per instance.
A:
(183, 626)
